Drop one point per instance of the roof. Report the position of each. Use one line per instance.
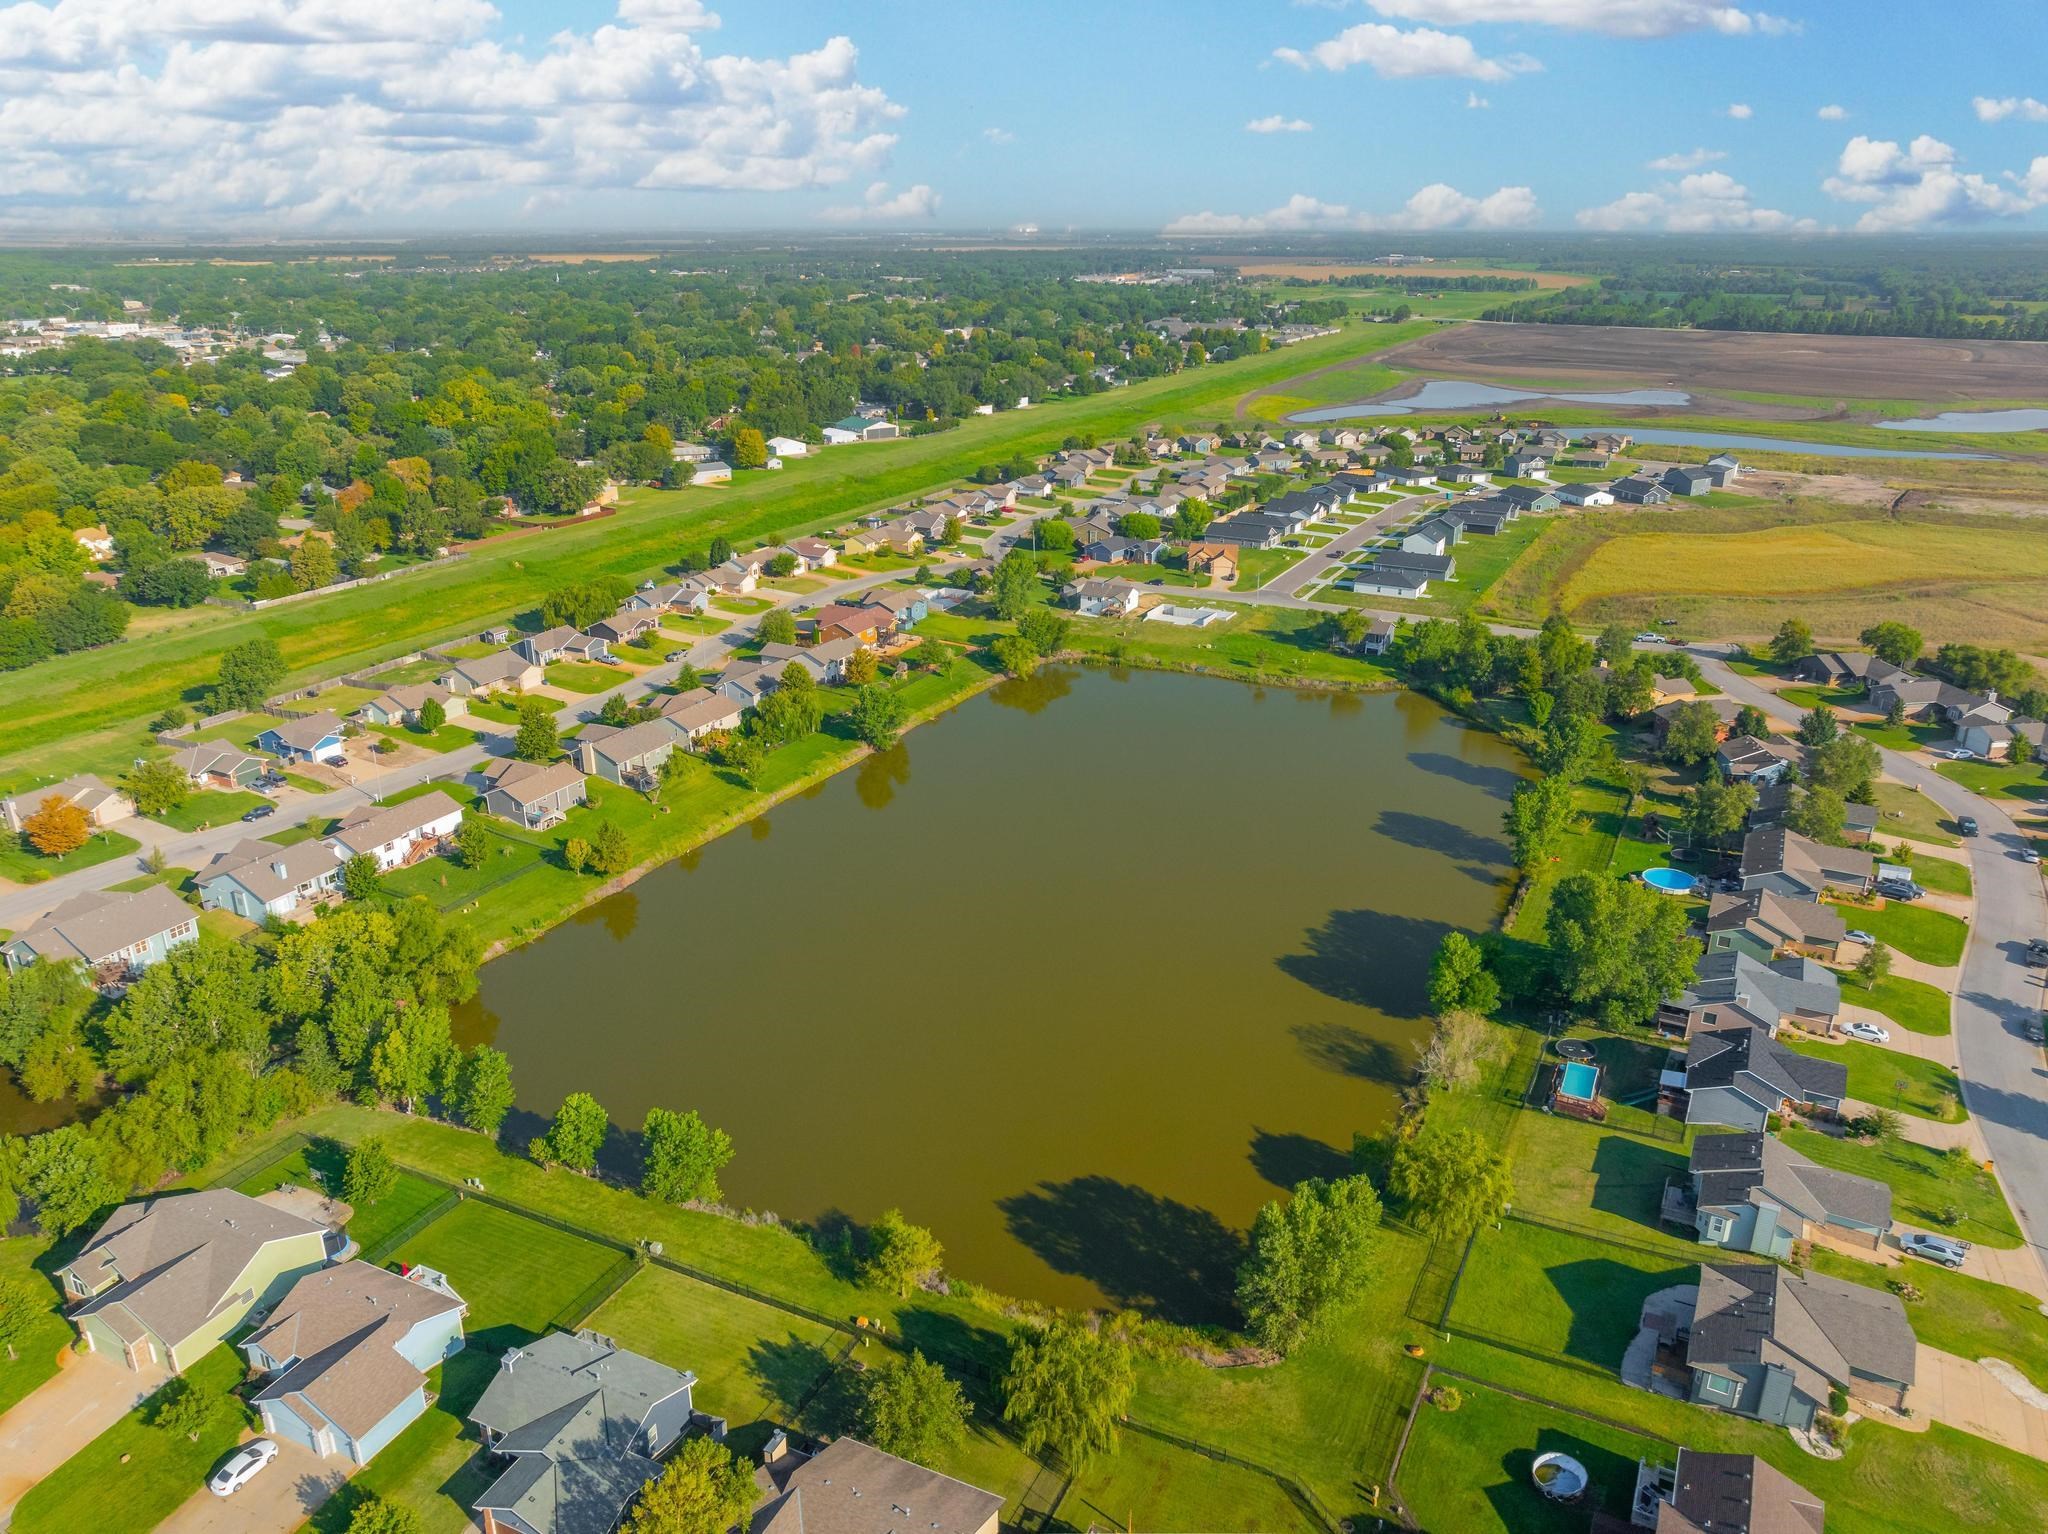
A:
(856, 619)
(1718, 1056)
(1821, 1329)
(269, 871)
(550, 639)
(1737, 1494)
(212, 757)
(853, 1488)
(1730, 1168)
(1782, 986)
(86, 791)
(407, 699)
(1434, 567)
(1777, 849)
(1778, 916)
(304, 734)
(530, 782)
(344, 1324)
(631, 742)
(178, 1257)
(100, 923)
(375, 827)
(499, 666)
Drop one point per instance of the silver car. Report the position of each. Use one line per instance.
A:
(1945, 1250)
(1870, 1033)
(241, 1467)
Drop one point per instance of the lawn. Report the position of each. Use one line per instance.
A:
(133, 1476)
(35, 1350)
(24, 865)
(694, 625)
(745, 605)
(517, 1274)
(1943, 874)
(1887, 1079)
(1919, 932)
(1468, 1471)
(450, 737)
(212, 807)
(1998, 780)
(320, 1165)
(1563, 1296)
(585, 676)
(1587, 1175)
(1902, 812)
(1257, 567)
(494, 710)
(1912, 1004)
(1923, 1185)
(1970, 1317)
(1153, 1485)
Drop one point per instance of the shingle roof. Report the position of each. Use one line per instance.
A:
(305, 734)
(1784, 985)
(530, 782)
(372, 828)
(853, 1488)
(628, 744)
(1727, 1168)
(1718, 1056)
(100, 923)
(344, 1325)
(269, 871)
(1820, 1328)
(1737, 1494)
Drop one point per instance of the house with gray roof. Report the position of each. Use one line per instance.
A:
(500, 671)
(397, 834)
(1731, 986)
(531, 794)
(1919, 697)
(575, 1425)
(699, 712)
(212, 764)
(347, 1352)
(1845, 668)
(1771, 1343)
(114, 934)
(1782, 861)
(1755, 760)
(1766, 926)
(1739, 1076)
(549, 645)
(103, 806)
(849, 1487)
(1751, 1192)
(1434, 536)
(258, 879)
(402, 705)
(316, 738)
(166, 1280)
(1527, 497)
(631, 755)
(1723, 1494)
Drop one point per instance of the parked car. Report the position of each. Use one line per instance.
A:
(241, 1467)
(1896, 889)
(1647, 636)
(261, 812)
(1858, 935)
(609, 660)
(2028, 855)
(1958, 754)
(1870, 1033)
(672, 657)
(1967, 824)
(1945, 1250)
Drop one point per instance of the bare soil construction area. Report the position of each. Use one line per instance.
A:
(1704, 361)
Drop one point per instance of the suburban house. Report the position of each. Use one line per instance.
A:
(165, 1280)
(401, 705)
(699, 712)
(210, 764)
(1717, 1493)
(222, 566)
(840, 1487)
(1488, 516)
(1526, 498)
(316, 738)
(561, 642)
(711, 471)
(1664, 715)
(1835, 668)
(1686, 479)
(1104, 599)
(1525, 465)
(1247, 530)
(1384, 578)
(575, 1425)
(1585, 495)
(621, 628)
(1766, 925)
(1776, 801)
(113, 934)
(398, 834)
(1987, 729)
(1786, 863)
(1753, 1193)
(258, 879)
(103, 806)
(1640, 492)
(1432, 537)
(865, 624)
(347, 1351)
(631, 755)
(1920, 697)
(97, 542)
(1727, 465)
(815, 552)
(907, 607)
(1740, 1076)
(1772, 1343)
(531, 794)
(1379, 634)
(748, 682)
(500, 671)
(1754, 760)
(1218, 561)
(1732, 987)
(677, 596)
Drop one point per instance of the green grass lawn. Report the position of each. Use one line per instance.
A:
(1468, 1471)
(1912, 1004)
(1531, 1287)
(1998, 780)
(694, 625)
(1902, 812)
(745, 605)
(516, 1273)
(1919, 932)
(495, 710)
(320, 1165)
(1258, 567)
(1970, 1317)
(585, 676)
(1923, 1185)
(1887, 1079)
(304, 831)
(1950, 878)
(24, 865)
(241, 731)
(1153, 1485)
(133, 1475)
(1591, 1176)
(212, 807)
(47, 1335)
(450, 737)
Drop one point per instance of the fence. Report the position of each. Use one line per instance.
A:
(249, 1166)
(242, 604)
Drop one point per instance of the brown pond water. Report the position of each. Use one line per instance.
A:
(1079, 975)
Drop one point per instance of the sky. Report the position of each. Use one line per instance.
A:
(309, 118)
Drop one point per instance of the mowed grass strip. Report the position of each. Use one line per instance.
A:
(515, 1273)
(1912, 1004)
(1887, 1078)
(1532, 1287)
(1918, 932)
(1925, 1185)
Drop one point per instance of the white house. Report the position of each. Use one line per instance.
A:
(788, 447)
(1585, 495)
(396, 834)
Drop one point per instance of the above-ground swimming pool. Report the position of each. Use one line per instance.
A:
(1671, 881)
(1578, 1079)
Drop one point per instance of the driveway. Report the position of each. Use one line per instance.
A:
(283, 1496)
(88, 1395)
(1963, 1393)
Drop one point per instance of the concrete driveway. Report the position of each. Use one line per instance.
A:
(284, 1495)
(88, 1395)
(1965, 1394)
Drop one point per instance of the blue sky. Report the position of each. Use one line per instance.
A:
(1202, 116)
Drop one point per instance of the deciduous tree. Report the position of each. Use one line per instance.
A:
(158, 787)
(1459, 978)
(703, 1489)
(538, 738)
(1793, 641)
(482, 1094)
(1308, 1255)
(683, 1157)
(900, 1255)
(1450, 1180)
(1065, 1390)
(1618, 949)
(576, 1135)
(57, 827)
(915, 1411)
(1893, 641)
(876, 715)
(369, 1174)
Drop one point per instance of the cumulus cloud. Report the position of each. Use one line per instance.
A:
(302, 111)
(1278, 124)
(1741, 111)
(1996, 109)
(1474, 102)
(1921, 186)
(1832, 113)
(999, 135)
(1616, 18)
(1436, 206)
(1393, 54)
(879, 206)
(1696, 204)
(1691, 159)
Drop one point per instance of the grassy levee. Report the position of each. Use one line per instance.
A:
(88, 709)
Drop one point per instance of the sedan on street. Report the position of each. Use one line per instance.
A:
(241, 1467)
(1870, 1033)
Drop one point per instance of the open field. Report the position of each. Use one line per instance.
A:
(1845, 367)
(1256, 266)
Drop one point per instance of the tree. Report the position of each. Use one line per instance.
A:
(369, 1174)
(576, 1135)
(2020, 751)
(537, 740)
(1848, 764)
(778, 627)
(430, 716)
(1016, 584)
(249, 672)
(720, 551)
(783, 564)
(1874, 966)
(745, 754)
(1616, 645)
(1569, 742)
(1692, 735)
(62, 1173)
(482, 1094)
(1819, 813)
(1537, 816)
(1459, 1042)
(1618, 948)
(58, 826)
(749, 448)
(472, 843)
(1065, 1390)
(900, 1255)
(1893, 641)
(1792, 642)
(1753, 721)
(704, 1489)
(861, 667)
(182, 1407)
(1014, 653)
(1818, 726)
(915, 1411)
(158, 787)
(1716, 810)
(1450, 1181)
(411, 1061)
(876, 715)
(611, 854)
(314, 564)
(576, 854)
(1043, 629)
(172, 583)
(380, 1515)
(684, 1156)
(1138, 524)
(23, 1304)
(359, 876)
(1307, 1255)
(1459, 979)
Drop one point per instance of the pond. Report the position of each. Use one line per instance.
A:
(1459, 394)
(1974, 420)
(1079, 975)
(1730, 442)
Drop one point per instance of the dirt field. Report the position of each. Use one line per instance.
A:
(1821, 367)
(1251, 266)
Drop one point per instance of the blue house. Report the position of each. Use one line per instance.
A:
(316, 738)
(347, 1351)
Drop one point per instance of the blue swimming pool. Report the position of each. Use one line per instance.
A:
(1670, 880)
(1578, 1079)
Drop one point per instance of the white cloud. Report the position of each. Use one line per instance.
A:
(1696, 204)
(1616, 18)
(1474, 102)
(999, 135)
(1691, 159)
(877, 206)
(1434, 207)
(285, 112)
(1741, 111)
(1396, 55)
(1998, 109)
(1920, 186)
(1832, 113)
(1278, 124)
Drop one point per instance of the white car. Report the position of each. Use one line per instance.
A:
(1958, 755)
(1945, 1250)
(1870, 1033)
(1858, 935)
(1646, 637)
(2029, 855)
(241, 1467)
